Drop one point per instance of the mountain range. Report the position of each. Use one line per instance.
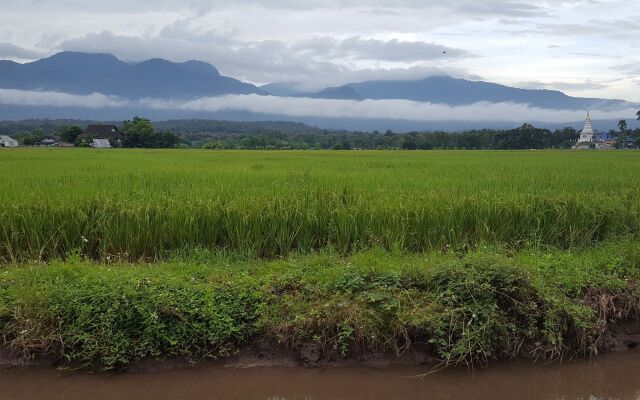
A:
(458, 92)
(82, 73)
(86, 73)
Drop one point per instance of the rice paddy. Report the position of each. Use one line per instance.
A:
(152, 204)
(116, 256)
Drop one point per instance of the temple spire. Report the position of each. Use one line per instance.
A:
(588, 129)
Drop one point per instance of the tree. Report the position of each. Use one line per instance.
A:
(409, 143)
(636, 138)
(622, 125)
(137, 133)
(214, 144)
(83, 140)
(621, 141)
(69, 134)
(140, 133)
(564, 138)
(33, 138)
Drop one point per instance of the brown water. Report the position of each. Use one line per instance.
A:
(614, 376)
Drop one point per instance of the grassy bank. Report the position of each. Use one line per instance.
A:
(469, 306)
(144, 204)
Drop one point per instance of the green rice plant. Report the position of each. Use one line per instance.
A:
(148, 204)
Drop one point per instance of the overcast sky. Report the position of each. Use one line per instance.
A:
(582, 47)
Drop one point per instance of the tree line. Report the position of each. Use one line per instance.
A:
(142, 133)
(136, 133)
(524, 137)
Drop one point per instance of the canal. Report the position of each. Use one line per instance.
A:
(613, 376)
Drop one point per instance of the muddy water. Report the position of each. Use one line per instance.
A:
(608, 377)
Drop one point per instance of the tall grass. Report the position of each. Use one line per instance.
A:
(150, 204)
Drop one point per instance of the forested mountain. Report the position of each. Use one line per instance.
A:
(455, 92)
(82, 73)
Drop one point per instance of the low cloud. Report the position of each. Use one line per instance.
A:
(562, 86)
(380, 109)
(321, 108)
(58, 99)
(11, 51)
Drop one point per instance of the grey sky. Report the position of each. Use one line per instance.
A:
(583, 47)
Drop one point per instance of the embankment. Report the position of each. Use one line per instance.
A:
(466, 305)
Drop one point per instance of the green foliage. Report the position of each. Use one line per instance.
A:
(212, 145)
(107, 317)
(140, 133)
(621, 139)
(69, 134)
(33, 138)
(272, 135)
(525, 137)
(622, 125)
(83, 140)
(488, 303)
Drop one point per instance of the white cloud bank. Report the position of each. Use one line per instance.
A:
(18, 97)
(319, 108)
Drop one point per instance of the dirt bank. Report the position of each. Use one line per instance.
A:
(620, 336)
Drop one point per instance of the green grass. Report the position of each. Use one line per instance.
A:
(466, 308)
(150, 204)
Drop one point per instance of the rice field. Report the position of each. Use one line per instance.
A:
(152, 204)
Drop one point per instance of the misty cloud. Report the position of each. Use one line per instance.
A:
(380, 109)
(562, 86)
(324, 108)
(9, 50)
(58, 99)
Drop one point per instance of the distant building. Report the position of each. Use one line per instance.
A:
(46, 142)
(590, 139)
(110, 132)
(101, 144)
(587, 133)
(102, 136)
(63, 144)
(7, 141)
(605, 141)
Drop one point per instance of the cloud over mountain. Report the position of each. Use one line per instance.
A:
(395, 109)
(315, 43)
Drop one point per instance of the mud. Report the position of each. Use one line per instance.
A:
(621, 336)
